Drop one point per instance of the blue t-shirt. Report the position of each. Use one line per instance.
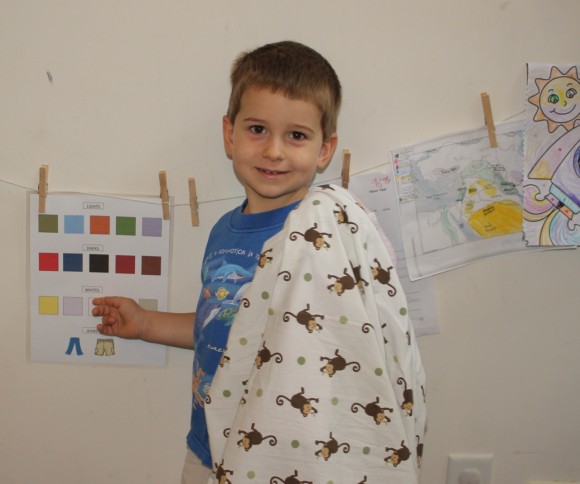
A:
(231, 256)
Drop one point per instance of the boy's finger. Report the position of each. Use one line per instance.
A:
(100, 311)
(104, 329)
(110, 300)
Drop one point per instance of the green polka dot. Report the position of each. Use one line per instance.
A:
(295, 444)
(378, 371)
(265, 295)
(334, 401)
(343, 320)
(259, 392)
(251, 474)
(315, 202)
(330, 482)
(308, 277)
(227, 393)
(243, 341)
(366, 450)
(396, 359)
(271, 312)
(366, 246)
(301, 360)
(403, 311)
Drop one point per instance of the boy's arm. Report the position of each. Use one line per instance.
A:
(124, 318)
(171, 329)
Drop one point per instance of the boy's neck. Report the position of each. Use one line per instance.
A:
(261, 204)
(263, 208)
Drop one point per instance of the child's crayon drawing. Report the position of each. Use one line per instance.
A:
(552, 156)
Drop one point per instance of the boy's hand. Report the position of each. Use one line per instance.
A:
(120, 316)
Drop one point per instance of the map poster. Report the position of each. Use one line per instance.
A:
(86, 246)
(459, 199)
(552, 156)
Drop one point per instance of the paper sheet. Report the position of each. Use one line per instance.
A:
(552, 156)
(377, 192)
(460, 200)
(87, 246)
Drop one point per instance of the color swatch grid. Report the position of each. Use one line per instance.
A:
(123, 264)
(87, 246)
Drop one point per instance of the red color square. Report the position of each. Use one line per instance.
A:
(47, 261)
(100, 224)
(125, 264)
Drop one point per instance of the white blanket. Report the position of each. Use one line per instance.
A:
(322, 380)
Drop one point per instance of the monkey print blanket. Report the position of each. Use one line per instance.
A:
(322, 380)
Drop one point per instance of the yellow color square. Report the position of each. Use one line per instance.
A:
(48, 305)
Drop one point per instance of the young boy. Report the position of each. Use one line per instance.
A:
(280, 130)
(321, 378)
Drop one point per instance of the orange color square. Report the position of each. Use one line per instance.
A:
(100, 224)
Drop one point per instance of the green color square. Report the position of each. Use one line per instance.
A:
(48, 223)
(126, 226)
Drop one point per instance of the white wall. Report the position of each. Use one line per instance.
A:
(141, 85)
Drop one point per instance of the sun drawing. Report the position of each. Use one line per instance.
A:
(558, 99)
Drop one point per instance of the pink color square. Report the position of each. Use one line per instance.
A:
(72, 306)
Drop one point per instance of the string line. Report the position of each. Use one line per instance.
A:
(215, 200)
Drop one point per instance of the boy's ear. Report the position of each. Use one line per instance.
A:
(326, 152)
(228, 133)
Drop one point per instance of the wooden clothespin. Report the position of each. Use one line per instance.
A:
(193, 203)
(488, 119)
(345, 168)
(42, 188)
(164, 195)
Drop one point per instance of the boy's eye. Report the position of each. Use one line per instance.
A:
(297, 135)
(257, 129)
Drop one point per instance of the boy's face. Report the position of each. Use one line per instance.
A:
(276, 145)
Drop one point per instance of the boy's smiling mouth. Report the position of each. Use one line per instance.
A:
(271, 172)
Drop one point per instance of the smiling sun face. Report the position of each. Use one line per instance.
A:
(558, 99)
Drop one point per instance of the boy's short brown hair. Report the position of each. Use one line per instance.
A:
(295, 70)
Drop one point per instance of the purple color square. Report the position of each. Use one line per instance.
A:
(152, 227)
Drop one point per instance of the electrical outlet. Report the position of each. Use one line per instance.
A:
(469, 468)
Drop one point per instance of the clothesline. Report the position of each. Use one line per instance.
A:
(215, 200)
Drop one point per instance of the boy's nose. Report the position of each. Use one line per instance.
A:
(273, 149)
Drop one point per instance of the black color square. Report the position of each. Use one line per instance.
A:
(99, 263)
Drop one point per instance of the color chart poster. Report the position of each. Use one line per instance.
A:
(86, 246)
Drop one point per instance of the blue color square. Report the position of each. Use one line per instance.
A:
(72, 262)
(74, 224)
